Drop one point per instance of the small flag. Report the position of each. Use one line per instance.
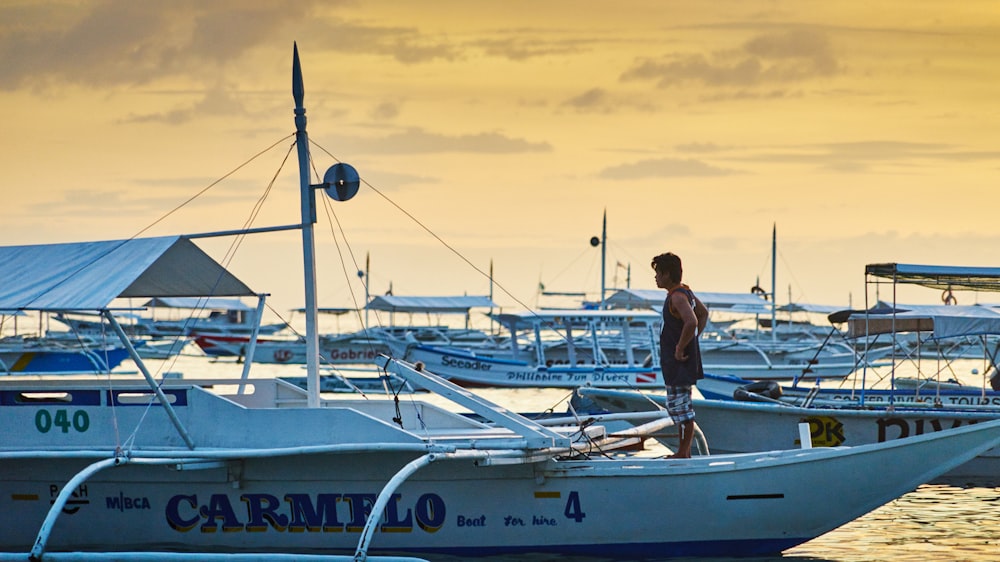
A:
(645, 377)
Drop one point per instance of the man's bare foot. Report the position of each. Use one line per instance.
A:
(678, 456)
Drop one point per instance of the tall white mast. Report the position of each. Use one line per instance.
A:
(308, 244)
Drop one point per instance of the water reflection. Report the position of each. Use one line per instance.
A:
(935, 522)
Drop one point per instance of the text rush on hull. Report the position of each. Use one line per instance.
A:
(265, 468)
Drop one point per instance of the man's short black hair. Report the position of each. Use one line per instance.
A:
(669, 263)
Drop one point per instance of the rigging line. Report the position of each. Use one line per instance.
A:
(331, 214)
(354, 260)
(435, 236)
(570, 264)
(255, 212)
(211, 185)
(442, 241)
(333, 218)
(792, 275)
(328, 207)
(237, 240)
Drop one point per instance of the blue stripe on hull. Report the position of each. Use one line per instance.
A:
(638, 550)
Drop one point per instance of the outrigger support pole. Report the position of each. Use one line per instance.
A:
(149, 378)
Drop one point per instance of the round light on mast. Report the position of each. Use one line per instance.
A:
(341, 182)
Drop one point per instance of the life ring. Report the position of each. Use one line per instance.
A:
(754, 391)
(948, 298)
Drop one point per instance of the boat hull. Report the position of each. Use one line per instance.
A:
(263, 485)
(32, 362)
(470, 369)
(319, 504)
(334, 353)
(777, 426)
(717, 387)
(738, 427)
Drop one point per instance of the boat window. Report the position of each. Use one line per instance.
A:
(44, 397)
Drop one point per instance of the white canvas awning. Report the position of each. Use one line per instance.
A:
(198, 303)
(943, 321)
(748, 303)
(455, 304)
(90, 275)
(575, 318)
(942, 277)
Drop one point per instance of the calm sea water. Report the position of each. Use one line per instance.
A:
(957, 521)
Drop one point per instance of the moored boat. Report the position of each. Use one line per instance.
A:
(858, 412)
(21, 355)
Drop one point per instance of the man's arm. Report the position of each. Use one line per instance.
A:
(690, 329)
(701, 312)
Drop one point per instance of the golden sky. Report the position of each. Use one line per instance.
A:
(866, 131)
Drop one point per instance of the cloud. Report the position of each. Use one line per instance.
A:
(417, 141)
(600, 100)
(106, 43)
(385, 111)
(405, 45)
(862, 156)
(517, 47)
(774, 57)
(701, 147)
(664, 168)
(116, 42)
(216, 101)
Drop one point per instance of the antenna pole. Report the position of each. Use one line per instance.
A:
(604, 254)
(774, 295)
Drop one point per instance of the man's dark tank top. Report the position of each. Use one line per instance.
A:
(678, 373)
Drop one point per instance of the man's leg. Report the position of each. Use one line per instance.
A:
(686, 437)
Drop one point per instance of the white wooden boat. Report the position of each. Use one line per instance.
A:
(609, 349)
(566, 349)
(908, 392)
(760, 354)
(742, 415)
(364, 346)
(104, 469)
(740, 426)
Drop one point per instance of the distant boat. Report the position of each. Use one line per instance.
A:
(364, 346)
(758, 355)
(551, 348)
(207, 315)
(220, 326)
(20, 355)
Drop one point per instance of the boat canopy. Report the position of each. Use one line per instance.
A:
(90, 275)
(939, 276)
(749, 303)
(198, 303)
(574, 318)
(454, 304)
(945, 321)
(808, 307)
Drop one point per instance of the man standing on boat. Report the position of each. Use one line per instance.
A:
(684, 318)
